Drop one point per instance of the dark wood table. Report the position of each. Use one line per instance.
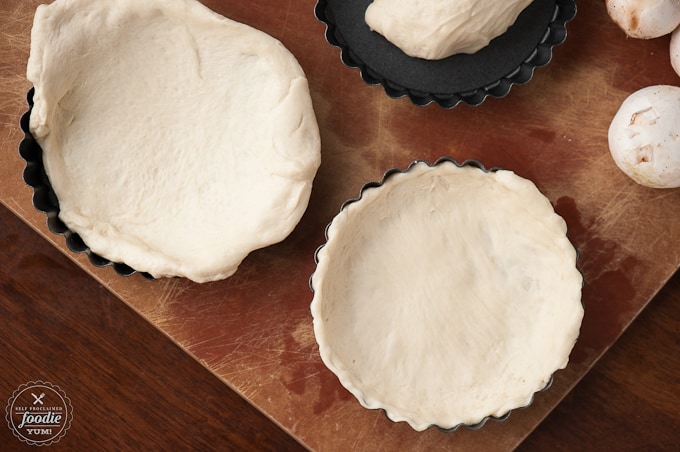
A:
(233, 365)
(130, 386)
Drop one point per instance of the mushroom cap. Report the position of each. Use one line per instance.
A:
(644, 136)
(675, 50)
(645, 19)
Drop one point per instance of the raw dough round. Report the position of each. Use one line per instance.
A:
(176, 140)
(447, 295)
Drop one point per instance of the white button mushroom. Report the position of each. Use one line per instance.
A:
(645, 19)
(675, 50)
(644, 136)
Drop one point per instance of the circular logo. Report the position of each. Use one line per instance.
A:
(39, 413)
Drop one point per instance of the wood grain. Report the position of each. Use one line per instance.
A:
(629, 400)
(253, 331)
(131, 387)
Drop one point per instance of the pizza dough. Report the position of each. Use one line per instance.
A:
(447, 295)
(436, 29)
(176, 140)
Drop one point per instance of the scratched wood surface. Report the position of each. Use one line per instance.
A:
(131, 388)
(60, 325)
(254, 330)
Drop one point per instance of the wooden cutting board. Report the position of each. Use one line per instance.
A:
(254, 330)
